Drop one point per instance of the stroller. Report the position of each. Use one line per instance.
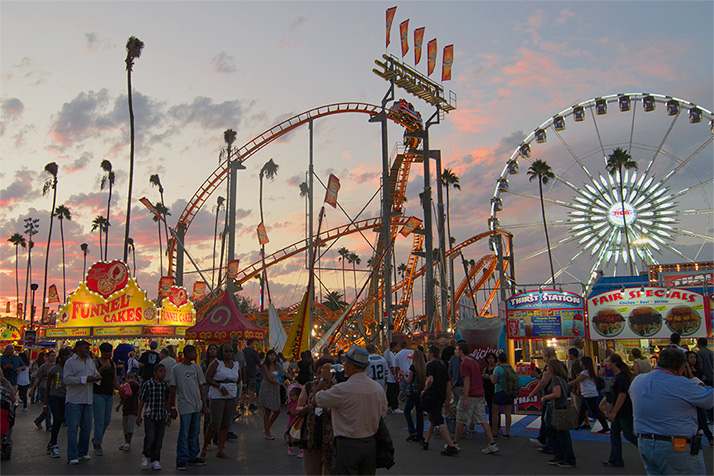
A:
(7, 420)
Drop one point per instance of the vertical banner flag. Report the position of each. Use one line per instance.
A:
(299, 337)
(199, 289)
(448, 60)
(411, 225)
(333, 186)
(52, 295)
(262, 234)
(232, 269)
(45, 312)
(403, 32)
(418, 41)
(19, 309)
(7, 308)
(165, 284)
(431, 56)
(390, 19)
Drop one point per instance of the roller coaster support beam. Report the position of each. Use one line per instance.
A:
(311, 250)
(236, 165)
(180, 236)
(386, 320)
(436, 154)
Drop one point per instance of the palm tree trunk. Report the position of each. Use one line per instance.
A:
(106, 232)
(223, 248)
(624, 222)
(215, 237)
(354, 271)
(166, 226)
(17, 278)
(161, 254)
(64, 277)
(47, 256)
(27, 275)
(448, 217)
(100, 243)
(131, 166)
(545, 227)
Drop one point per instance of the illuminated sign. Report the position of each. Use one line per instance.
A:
(158, 331)
(545, 314)
(648, 312)
(615, 214)
(128, 305)
(117, 331)
(177, 310)
(85, 332)
(181, 331)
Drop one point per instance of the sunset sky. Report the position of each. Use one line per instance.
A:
(210, 66)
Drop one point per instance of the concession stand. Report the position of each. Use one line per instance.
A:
(538, 319)
(223, 322)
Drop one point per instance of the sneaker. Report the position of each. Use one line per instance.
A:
(604, 430)
(398, 412)
(86, 457)
(38, 425)
(98, 451)
(535, 442)
(450, 451)
(458, 446)
(197, 462)
(291, 451)
(144, 462)
(181, 466)
(231, 436)
(55, 452)
(425, 445)
(490, 449)
(49, 449)
(506, 436)
(125, 447)
(156, 466)
(73, 461)
(24, 409)
(299, 455)
(555, 461)
(563, 464)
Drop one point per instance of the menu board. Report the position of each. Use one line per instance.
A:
(545, 314)
(646, 312)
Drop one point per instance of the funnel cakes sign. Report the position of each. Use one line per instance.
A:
(177, 309)
(109, 297)
(646, 313)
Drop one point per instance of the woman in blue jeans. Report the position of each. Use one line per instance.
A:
(103, 401)
(619, 409)
(557, 397)
(416, 371)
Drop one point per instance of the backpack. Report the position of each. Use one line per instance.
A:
(511, 383)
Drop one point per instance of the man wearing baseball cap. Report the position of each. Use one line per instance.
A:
(357, 407)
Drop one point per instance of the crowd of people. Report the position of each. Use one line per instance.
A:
(336, 404)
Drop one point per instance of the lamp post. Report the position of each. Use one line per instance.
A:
(33, 287)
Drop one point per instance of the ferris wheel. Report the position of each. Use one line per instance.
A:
(662, 208)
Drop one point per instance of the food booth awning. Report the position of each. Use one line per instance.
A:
(223, 322)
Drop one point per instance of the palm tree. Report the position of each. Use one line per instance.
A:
(616, 161)
(50, 184)
(85, 251)
(449, 179)
(100, 223)
(107, 180)
(134, 46)
(269, 171)
(133, 254)
(305, 193)
(63, 213)
(354, 259)
(155, 181)
(344, 253)
(18, 240)
(333, 301)
(401, 270)
(163, 211)
(541, 170)
(216, 210)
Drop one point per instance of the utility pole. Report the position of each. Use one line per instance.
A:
(442, 242)
(386, 218)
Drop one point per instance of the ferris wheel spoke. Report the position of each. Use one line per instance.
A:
(686, 161)
(545, 250)
(575, 156)
(664, 139)
(691, 189)
(677, 252)
(572, 261)
(691, 234)
(537, 224)
(705, 211)
(597, 131)
(545, 199)
(632, 127)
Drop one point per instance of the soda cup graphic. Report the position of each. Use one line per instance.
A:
(482, 334)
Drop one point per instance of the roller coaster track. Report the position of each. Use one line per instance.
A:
(242, 154)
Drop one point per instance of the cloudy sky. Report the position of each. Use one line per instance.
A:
(210, 66)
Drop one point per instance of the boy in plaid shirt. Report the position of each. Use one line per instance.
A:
(154, 407)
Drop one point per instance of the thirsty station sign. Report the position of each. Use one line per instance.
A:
(545, 314)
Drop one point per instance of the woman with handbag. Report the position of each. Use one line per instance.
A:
(316, 436)
(557, 417)
(588, 388)
(416, 378)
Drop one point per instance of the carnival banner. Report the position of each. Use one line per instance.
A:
(262, 234)
(448, 60)
(418, 42)
(646, 313)
(412, 224)
(431, 56)
(11, 329)
(7, 308)
(232, 268)
(390, 20)
(404, 33)
(333, 186)
(199, 290)
(299, 335)
(165, 284)
(545, 314)
(52, 297)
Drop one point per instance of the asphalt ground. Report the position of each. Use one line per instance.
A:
(252, 454)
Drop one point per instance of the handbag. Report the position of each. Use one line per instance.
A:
(295, 430)
(413, 391)
(564, 419)
(125, 390)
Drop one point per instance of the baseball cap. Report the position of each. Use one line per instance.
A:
(357, 355)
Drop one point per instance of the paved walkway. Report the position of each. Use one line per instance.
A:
(252, 454)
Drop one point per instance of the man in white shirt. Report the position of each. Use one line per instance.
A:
(168, 362)
(378, 368)
(404, 361)
(392, 385)
(80, 373)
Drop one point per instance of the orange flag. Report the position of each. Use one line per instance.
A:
(447, 62)
(431, 56)
(199, 289)
(333, 186)
(418, 41)
(411, 225)
(404, 31)
(390, 19)
(262, 234)
(52, 296)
